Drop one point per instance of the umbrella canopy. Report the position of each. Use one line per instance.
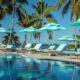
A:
(77, 23)
(52, 26)
(3, 30)
(67, 38)
(30, 29)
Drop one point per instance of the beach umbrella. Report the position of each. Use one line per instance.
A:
(67, 38)
(31, 30)
(75, 24)
(3, 30)
(52, 27)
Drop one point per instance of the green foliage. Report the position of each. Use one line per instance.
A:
(42, 15)
(14, 38)
(7, 7)
(67, 5)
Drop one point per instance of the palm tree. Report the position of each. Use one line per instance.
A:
(40, 17)
(74, 6)
(43, 11)
(67, 5)
(7, 7)
(14, 38)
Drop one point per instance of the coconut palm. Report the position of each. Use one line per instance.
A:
(7, 7)
(41, 16)
(67, 5)
(43, 11)
(14, 38)
(72, 5)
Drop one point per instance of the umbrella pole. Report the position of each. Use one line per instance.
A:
(39, 40)
(75, 38)
(52, 37)
(67, 46)
(31, 37)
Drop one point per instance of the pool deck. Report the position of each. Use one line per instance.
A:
(71, 59)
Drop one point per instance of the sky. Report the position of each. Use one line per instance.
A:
(64, 21)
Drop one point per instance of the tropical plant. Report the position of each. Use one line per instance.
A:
(41, 16)
(7, 7)
(72, 5)
(13, 40)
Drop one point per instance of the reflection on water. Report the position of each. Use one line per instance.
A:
(20, 68)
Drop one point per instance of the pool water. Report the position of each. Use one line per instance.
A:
(15, 67)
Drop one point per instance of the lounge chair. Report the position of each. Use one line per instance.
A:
(49, 48)
(60, 48)
(28, 45)
(10, 47)
(37, 46)
(23, 49)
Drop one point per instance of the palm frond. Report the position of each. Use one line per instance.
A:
(50, 18)
(2, 13)
(1, 2)
(23, 10)
(49, 35)
(66, 7)
(60, 3)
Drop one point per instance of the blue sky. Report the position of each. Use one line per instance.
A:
(6, 22)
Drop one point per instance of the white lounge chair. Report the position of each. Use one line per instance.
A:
(60, 48)
(37, 46)
(28, 45)
(50, 48)
(9, 46)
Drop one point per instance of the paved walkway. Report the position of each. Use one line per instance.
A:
(61, 58)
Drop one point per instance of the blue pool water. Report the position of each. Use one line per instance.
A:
(15, 67)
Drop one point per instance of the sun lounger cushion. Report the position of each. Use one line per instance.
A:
(37, 46)
(61, 47)
(9, 46)
(28, 45)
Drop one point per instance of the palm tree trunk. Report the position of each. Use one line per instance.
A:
(12, 24)
(73, 75)
(75, 30)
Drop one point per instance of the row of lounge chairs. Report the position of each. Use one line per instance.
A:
(51, 49)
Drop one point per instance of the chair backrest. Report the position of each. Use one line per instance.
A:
(9, 46)
(37, 46)
(51, 47)
(61, 47)
(28, 45)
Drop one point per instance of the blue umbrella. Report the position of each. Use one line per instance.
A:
(3, 30)
(67, 38)
(52, 27)
(77, 23)
(31, 30)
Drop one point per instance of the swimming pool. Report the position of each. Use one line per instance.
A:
(16, 67)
